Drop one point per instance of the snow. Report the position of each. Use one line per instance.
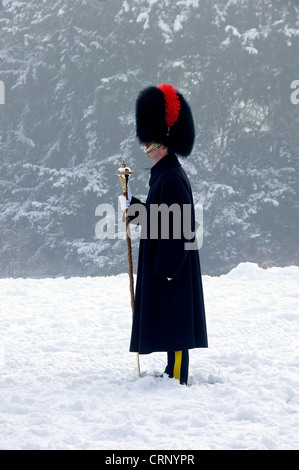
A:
(67, 380)
(233, 29)
(251, 50)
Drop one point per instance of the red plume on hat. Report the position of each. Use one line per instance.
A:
(164, 116)
(172, 104)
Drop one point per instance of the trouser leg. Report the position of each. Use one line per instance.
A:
(178, 365)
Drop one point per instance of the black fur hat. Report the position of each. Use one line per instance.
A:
(163, 116)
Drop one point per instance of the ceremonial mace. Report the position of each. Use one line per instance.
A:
(124, 174)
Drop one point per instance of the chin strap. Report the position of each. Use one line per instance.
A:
(154, 146)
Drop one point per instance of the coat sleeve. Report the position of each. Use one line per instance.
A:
(135, 211)
(170, 256)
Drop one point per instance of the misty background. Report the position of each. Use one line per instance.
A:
(72, 71)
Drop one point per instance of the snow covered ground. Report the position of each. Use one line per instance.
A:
(67, 380)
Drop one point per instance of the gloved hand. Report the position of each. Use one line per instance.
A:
(169, 278)
(125, 203)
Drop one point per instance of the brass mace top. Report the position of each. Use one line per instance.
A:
(124, 173)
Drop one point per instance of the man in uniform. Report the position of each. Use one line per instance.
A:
(169, 313)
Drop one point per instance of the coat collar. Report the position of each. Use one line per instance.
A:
(167, 162)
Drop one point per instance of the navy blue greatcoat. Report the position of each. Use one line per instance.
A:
(168, 315)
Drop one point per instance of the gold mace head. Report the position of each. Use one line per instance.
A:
(124, 173)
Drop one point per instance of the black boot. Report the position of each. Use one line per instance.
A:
(178, 365)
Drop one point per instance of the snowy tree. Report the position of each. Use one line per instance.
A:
(72, 70)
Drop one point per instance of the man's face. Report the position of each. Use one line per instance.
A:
(155, 153)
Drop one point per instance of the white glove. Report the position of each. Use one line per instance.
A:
(125, 203)
(169, 279)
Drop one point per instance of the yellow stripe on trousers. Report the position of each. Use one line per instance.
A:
(177, 365)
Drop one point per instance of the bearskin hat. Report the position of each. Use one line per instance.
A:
(164, 116)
